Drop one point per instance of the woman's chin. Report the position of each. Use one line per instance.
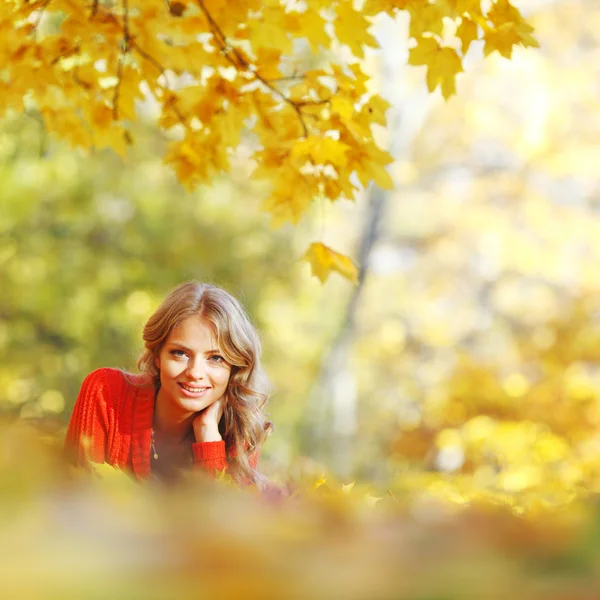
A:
(193, 405)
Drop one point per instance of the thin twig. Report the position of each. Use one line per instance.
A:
(133, 45)
(66, 54)
(161, 69)
(122, 55)
(80, 82)
(285, 78)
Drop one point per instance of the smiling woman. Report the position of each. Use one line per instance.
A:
(198, 400)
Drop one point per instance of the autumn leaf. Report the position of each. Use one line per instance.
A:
(425, 18)
(351, 28)
(505, 37)
(467, 32)
(510, 29)
(322, 150)
(323, 260)
(442, 64)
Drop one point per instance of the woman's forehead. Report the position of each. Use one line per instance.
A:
(194, 331)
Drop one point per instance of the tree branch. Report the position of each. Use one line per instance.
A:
(241, 64)
(66, 54)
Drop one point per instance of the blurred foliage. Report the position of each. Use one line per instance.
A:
(66, 535)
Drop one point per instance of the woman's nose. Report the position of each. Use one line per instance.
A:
(195, 368)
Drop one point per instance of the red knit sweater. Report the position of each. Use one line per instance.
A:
(112, 422)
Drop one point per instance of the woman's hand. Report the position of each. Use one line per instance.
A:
(206, 422)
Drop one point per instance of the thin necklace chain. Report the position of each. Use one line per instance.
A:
(153, 445)
(188, 437)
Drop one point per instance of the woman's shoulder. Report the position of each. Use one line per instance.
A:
(111, 375)
(114, 383)
(105, 376)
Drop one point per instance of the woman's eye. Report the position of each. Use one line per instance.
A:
(177, 353)
(216, 358)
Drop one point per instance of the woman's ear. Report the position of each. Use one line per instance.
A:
(157, 362)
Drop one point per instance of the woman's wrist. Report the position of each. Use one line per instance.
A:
(207, 433)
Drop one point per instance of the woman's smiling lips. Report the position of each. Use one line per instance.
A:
(193, 391)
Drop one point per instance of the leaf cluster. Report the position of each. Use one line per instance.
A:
(219, 76)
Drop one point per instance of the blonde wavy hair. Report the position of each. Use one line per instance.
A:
(243, 426)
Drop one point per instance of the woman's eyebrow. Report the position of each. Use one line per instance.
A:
(182, 345)
(179, 345)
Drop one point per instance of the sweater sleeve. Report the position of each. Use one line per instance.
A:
(88, 431)
(212, 456)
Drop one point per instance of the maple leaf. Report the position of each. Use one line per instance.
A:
(391, 7)
(290, 200)
(321, 150)
(351, 28)
(505, 37)
(510, 29)
(467, 32)
(323, 260)
(312, 26)
(425, 18)
(376, 108)
(442, 64)
(343, 107)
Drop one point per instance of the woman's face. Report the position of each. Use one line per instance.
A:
(193, 371)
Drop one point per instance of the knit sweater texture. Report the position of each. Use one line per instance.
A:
(112, 422)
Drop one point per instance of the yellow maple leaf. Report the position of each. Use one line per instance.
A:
(114, 137)
(442, 64)
(374, 171)
(323, 260)
(376, 108)
(272, 31)
(503, 39)
(467, 32)
(369, 161)
(312, 27)
(425, 18)
(342, 106)
(351, 28)
(506, 36)
(321, 150)
(100, 115)
(290, 200)
(457, 8)
(473, 7)
(510, 29)
(268, 62)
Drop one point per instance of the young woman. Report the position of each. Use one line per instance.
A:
(198, 401)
